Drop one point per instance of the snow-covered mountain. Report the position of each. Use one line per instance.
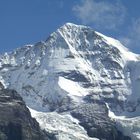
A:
(83, 79)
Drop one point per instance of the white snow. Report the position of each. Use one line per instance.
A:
(70, 50)
(73, 88)
(125, 52)
(37, 63)
(112, 115)
(66, 126)
(126, 124)
(45, 72)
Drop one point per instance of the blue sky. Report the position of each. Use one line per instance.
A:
(29, 21)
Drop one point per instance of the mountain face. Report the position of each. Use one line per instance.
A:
(78, 84)
(16, 122)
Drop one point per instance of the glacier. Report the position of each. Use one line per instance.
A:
(74, 70)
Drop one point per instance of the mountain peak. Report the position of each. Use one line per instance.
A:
(72, 25)
(76, 70)
(69, 25)
(72, 32)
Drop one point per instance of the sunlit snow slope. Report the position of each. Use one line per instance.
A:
(75, 63)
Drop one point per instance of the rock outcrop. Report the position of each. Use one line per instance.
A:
(16, 122)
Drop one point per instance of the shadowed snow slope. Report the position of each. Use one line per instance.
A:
(77, 66)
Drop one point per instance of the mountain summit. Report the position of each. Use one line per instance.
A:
(81, 79)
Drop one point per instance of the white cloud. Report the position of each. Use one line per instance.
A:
(101, 15)
(132, 38)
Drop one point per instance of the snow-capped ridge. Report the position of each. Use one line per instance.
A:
(74, 66)
(69, 24)
(125, 51)
(73, 28)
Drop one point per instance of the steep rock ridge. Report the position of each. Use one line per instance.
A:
(74, 68)
(16, 122)
(94, 118)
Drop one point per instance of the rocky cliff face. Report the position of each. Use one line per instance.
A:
(78, 74)
(94, 118)
(16, 122)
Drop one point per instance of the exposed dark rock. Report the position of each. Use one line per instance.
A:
(1, 86)
(94, 118)
(16, 122)
(74, 75)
